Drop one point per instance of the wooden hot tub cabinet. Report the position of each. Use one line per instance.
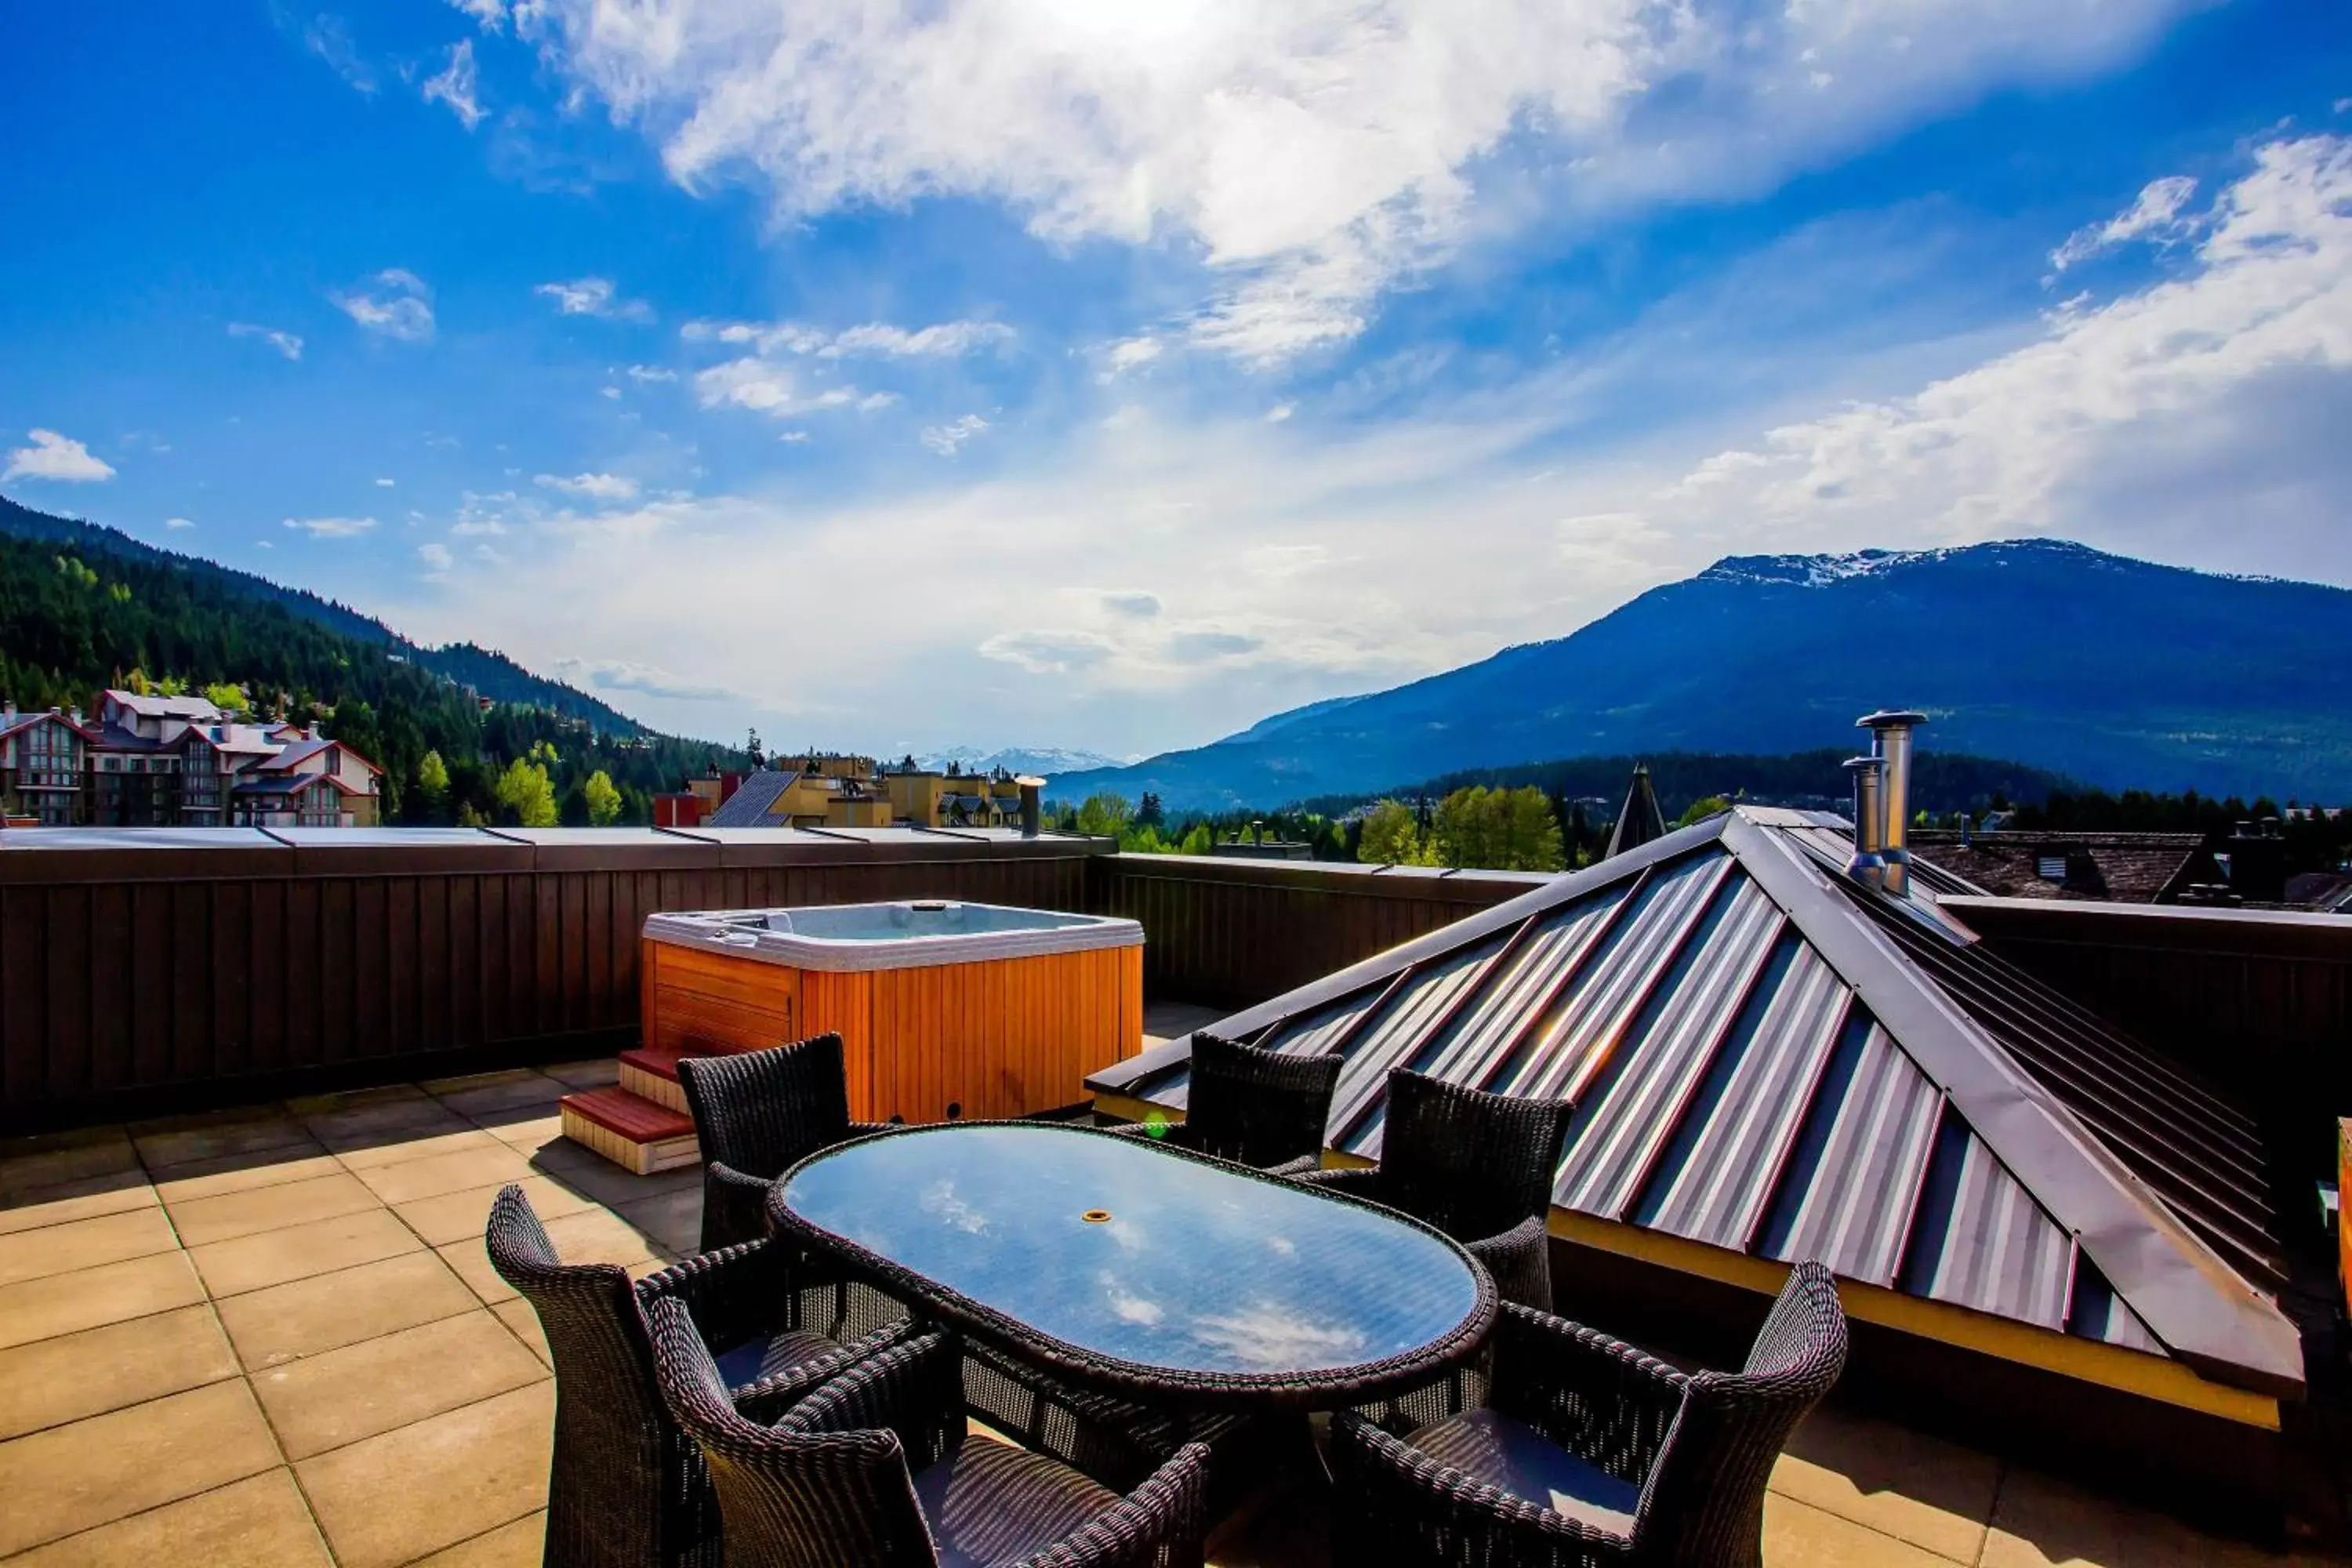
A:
(994, 1037)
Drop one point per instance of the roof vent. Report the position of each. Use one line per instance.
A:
(1891, 743)
(1868, 866)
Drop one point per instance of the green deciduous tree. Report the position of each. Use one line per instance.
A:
(1105, 814)
(1391, 837)
(1498, 830)
(526, 794)
(603, 800)
(1702, 809)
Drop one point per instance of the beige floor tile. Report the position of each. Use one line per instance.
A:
(518, 1545)
(160, 1151)
(51, 1381)
(84, 1244)
(521, 1319)
(118, 1192)
(470, 1262)
(406, 1493)
(353, 1133)
(328, 1312)
(594, 1176)
(74, 1478)
(274, 1256)
(672, 1219)
(242, 1173)
(593, 1073)
(257, 1522)
(26, 1144)
(313, 1105)
(450, 1216)
(426, 1146)
(2044, 1523)
(75, 1161)
(537, 1095)
(500, 1077)
(451, 1173)
(111, 1293)
(326, 1401)
(527, 1137)
(1899, 1482)
(599, 1236)
(202, 1221)
(1798, 1535)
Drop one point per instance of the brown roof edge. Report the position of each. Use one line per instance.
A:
(2200, 1307)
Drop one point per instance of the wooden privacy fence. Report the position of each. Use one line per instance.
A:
(2259, 1002)
(170, 967)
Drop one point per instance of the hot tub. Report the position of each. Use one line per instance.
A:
(944, 1008)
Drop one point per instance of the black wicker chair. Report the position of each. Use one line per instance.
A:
(877, 1468)
(1256, 1108)
(1478, 1167)
(626, 1488)
(757, 1115)
(1590, 1452)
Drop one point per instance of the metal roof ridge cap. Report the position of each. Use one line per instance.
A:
(1991, 1111)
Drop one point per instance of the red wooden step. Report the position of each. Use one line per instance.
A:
(654, 1059)
(637, 1120)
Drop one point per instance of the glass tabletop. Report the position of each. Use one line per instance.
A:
(1125, 1251)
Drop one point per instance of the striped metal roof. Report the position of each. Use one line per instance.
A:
(1767, 1058)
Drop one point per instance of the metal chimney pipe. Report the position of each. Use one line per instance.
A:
(1868, 866)
(1033, 810)
(1891, 740)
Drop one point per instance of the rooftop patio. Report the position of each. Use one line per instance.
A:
(269, 1334)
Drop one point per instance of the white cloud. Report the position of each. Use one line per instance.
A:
(945, 440)
(591, 487)
(2024, 441)
(1280, 411)
(327, 38)
(384, 484)
(1311, 152)
(55, 456)
(286, 343)
(1128, 353)
(1140, 605)
(436, 558)
(621, 675)
(594, 297)
(395, 303)
(792, 437)
(643, 374)
(766, 387)
(458, 85)
(489, 14)
(330, 526)
(177, 523)
(874, 402)
(1049, 652)
(2156, 217)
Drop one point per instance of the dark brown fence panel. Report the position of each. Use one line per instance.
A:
(2260, 1002)
(147, 971)
(1231, 934)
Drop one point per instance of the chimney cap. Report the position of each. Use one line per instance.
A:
(1859, 764)
(1891, 719)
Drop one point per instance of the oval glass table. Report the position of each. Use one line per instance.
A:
(1152, 1271)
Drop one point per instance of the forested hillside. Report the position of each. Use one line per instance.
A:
(83, 610)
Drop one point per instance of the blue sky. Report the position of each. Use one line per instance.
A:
(1052, 373)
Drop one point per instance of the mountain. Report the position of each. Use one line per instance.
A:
(82, 607)
(1048, 761)
(492, 674)
(2116, 672)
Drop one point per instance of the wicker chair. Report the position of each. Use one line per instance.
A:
(757, 1115)
(877, 1468)
(1478, 1167)
(1590, 1452)
(1256, 1108)
(627, 1488)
